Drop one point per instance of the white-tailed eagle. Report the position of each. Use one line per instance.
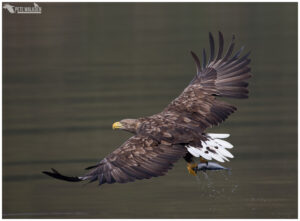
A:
(178, 131)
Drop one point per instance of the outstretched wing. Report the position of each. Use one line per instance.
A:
(140, 157)
(223, 76)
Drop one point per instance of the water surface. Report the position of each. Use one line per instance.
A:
(72, 71)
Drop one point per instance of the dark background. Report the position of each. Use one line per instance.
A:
(72, 71)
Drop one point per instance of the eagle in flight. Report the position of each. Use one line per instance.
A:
(178, 131)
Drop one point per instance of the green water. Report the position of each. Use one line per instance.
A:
(72, 71)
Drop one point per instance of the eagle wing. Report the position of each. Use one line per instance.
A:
(223, 76)
(140, 157)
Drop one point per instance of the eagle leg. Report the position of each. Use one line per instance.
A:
(191, 165)
(192, 168)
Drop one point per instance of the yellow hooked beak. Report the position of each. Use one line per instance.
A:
(116, 125)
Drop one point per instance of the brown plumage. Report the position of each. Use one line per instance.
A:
(161, 139)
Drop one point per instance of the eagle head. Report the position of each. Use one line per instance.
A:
(130, 125)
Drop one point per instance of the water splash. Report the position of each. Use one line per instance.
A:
(216, 184)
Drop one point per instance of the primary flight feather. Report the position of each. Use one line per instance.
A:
(179, 130)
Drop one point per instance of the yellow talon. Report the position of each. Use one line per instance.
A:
(190, 168)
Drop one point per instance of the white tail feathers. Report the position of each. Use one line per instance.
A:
(213, 148)
(211, 135)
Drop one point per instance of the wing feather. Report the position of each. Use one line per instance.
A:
(221, 45)
(212, 47)
(230, 50)
(204, 59)
(197, 61)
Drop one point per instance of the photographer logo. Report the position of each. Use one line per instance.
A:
(35, 9)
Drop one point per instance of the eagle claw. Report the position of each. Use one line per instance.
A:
(192, 168)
